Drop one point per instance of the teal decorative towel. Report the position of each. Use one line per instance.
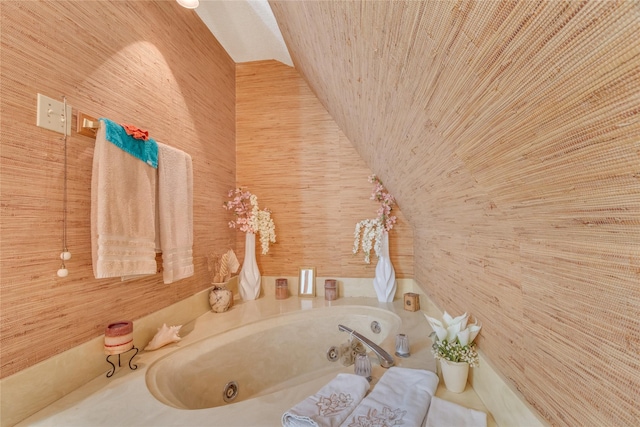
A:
(147, 151)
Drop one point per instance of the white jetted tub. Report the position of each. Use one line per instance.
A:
(262, 358)
(275, 350)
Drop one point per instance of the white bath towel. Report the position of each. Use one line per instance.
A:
(330, 405)
(401, 397)
(175, 212)
(443, 413)
(123, 207)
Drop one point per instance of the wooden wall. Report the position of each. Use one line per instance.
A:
(153, 64)
(510, 134)
(293, 156)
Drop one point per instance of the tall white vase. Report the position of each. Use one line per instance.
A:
(249, 280)
(385, 280)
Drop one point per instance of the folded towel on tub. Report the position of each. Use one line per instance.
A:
(401, 397)
(331, 405)
(123, 207)
(175, 213)
(443, 413)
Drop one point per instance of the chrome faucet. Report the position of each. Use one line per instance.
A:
(386, 360)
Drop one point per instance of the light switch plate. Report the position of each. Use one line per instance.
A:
(50, 114)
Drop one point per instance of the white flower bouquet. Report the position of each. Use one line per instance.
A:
(454, 339)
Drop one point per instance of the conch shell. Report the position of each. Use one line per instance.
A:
(165, 335)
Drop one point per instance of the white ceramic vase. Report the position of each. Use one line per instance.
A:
(249, 281)
(454, 375)
(385, 280)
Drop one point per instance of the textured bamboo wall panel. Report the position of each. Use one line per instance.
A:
(153, 64)
(510, 134)
(293, 156)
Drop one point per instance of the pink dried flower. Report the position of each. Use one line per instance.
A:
(368, 232)
(380, 194)
(249, 218)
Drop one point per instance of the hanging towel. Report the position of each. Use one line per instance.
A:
(401, 397)
(175, 213)
(145, 150)
(331, 405)
(123, 207)
(443, 413)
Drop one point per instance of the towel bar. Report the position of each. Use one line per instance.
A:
(87, 125)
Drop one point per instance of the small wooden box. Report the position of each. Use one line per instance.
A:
(411, 301)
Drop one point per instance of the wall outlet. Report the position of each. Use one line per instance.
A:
(50, 115)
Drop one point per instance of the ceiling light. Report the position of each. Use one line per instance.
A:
(189, 4)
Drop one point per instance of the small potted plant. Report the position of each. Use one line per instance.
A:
(453, 346)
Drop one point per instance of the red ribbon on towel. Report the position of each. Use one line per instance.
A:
(136, 132)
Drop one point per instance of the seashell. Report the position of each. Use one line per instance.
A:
(222, 266)
(232, 261)
(224, 270)
(165, 335)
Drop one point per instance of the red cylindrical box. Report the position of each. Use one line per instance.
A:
(282, 289)
(118, 337)
(330, 289)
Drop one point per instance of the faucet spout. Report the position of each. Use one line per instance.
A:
(386, 360)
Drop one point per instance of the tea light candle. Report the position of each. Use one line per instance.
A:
(118, 337)
(330, 289)
(282, 289)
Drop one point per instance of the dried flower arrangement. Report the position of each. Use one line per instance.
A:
(368, 232)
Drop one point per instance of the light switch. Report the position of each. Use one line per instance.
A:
(50, 114)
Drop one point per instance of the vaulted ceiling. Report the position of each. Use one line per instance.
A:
(497, 89)
(509, 132)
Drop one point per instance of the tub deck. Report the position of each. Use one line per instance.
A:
(124, 400)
